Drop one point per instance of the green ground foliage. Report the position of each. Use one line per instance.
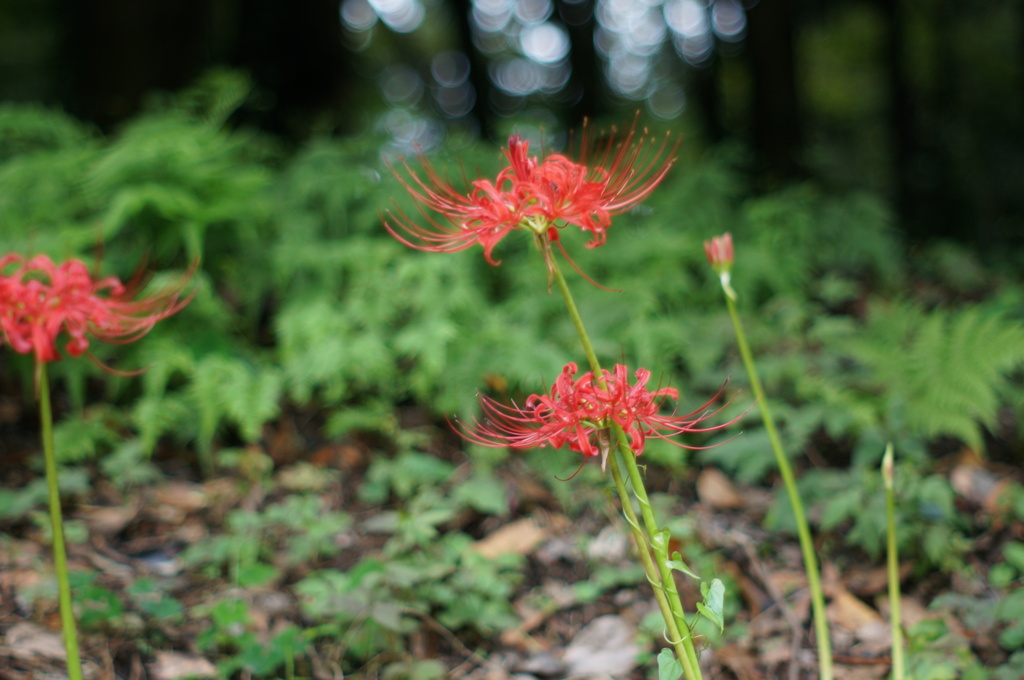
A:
(309, 313)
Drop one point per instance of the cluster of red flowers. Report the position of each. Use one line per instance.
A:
(580, 411)
(40, 300)
(540, 196)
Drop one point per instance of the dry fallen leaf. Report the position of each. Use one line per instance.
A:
(973, 483)
(519, 537)
(864, 672)
(912, 610)
(172, 502)
(740, 661)
(849, 612)
(107, 521)
(715, 490)
(28, 639)
(605, 645)
(175, 666)
(787, 581)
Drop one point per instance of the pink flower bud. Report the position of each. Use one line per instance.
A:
(719, 252)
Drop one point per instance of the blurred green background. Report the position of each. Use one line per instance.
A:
(866, 156)
(921, 102)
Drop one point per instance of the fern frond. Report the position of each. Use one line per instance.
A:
(942, 372)
(28, 128)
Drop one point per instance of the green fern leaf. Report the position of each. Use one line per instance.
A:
(941, 373)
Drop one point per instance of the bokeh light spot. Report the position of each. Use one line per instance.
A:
(729, 20)
(456, 102)
(357, 15)
(666, 101)
(450, 69)
(545, 43)
(401, 85)
(688, 18)
(401, 16)
(533, 11)
(517, 76)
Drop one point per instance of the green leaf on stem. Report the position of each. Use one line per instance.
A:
(714, 602)
(669, 667)
(659, 541)
(677, 563)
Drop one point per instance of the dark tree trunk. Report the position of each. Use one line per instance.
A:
(587, 86)
(775, 115)
(902, 130)
(295, 50)
(478, 75)
(923, 122)
(115, 52)
(704, 85)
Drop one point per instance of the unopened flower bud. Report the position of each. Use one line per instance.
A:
(720, 254)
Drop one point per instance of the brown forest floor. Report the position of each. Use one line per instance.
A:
(141, 533)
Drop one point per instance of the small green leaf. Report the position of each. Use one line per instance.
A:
(659, 541)
(256, 574)
(714, 603)
(483, 492)
(1014, 555)
(677, 563)
(1013, 637)
(669, 667)
(1001, 575)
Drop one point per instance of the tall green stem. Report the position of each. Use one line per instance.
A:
(893, 565)
(574, 312)
(684, 652)
(659, 538)
(67, 616)
(659, 573)
(803, 530)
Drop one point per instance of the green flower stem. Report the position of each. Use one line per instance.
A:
(574, 312)
(660, 576)
(660, 543)
(803, 530)
(67, 616)
(691, 670)
(895, 620)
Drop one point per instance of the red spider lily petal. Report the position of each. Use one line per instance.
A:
(579, 410)
(561, 192)
(533, 195)
(566, 416)
(588, 195)
(483, 216)
(40, 300)
(630, 169)
(521, 166)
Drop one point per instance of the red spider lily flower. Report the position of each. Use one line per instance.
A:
(580, 411)
(40, 300)
(533, 195)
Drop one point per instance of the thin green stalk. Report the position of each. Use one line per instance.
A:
(574, 312)
(803, 530)
(691, 670)
(67, 616)
(895, 620)
(675, 618)
(660, 544)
